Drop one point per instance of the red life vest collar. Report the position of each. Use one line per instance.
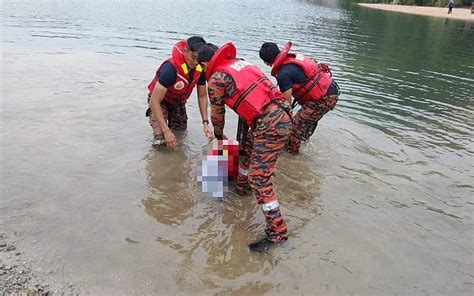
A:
(226, 51)
(280, 58)
(178, 55)
(178, 58)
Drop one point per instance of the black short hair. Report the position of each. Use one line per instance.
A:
(195, 42)
(206, 52)
(269, 51)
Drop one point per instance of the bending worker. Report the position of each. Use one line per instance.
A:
(309, 82)
(245, 89)
(170, 89)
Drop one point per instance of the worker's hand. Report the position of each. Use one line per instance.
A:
(208, 132)
(170, 140)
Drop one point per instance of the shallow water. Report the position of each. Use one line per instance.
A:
(380, 200)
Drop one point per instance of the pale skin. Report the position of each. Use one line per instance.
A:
(158, 96)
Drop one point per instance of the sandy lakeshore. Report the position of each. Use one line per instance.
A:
(458, 13)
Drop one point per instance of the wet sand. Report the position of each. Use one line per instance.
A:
(458, 13)
(17, 275)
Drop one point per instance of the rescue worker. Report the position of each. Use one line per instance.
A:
(309, 82)
(245, 89)
(171, 87)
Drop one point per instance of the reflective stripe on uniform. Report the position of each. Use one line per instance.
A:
(270, 206)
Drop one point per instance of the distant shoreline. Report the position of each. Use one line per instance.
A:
(458, 13)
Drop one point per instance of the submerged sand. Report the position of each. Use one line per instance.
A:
(458, 13)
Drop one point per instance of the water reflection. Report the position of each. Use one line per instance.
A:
(169, 201)
(217, 247)
(298, 188)
(215, 240)
(396, 148)
(403, 83)
(213, 244)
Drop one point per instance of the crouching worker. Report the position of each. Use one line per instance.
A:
(171, 87)
(309, 82)
(245, 89)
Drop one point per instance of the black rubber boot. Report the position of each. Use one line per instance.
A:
(262, 246)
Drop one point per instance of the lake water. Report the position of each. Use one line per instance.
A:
(379, 202)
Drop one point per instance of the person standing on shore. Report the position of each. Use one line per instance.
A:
(244, 88)
(450, 6)
(171, 87)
